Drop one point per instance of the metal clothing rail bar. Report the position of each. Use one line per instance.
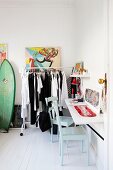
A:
(41, 68)
(46, 67)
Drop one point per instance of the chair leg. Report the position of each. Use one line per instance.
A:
(82, 145)
(52, 133)
(88, 147)
(62, 151)
(58, 134)
(59, 147)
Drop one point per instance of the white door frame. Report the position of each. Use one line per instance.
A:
(108, 150)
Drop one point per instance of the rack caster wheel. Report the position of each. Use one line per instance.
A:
(21, 134)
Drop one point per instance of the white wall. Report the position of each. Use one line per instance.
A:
(77, 27)
(91, 39)
(37, 25)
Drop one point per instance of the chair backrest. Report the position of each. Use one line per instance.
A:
(51, 109)
(55, 105)
(50, 99)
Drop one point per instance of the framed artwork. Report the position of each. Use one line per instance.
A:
(92, 97)
(78, 66)
(41, 57)
(3, 52)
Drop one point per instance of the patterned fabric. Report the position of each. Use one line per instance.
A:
(92, 97)
(73, 85)
(85, 111)
(69, 86)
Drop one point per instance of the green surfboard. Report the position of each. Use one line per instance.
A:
(7, 94)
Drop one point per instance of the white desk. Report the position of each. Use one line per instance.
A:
(97, 121)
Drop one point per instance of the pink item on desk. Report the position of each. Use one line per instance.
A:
(85, 111)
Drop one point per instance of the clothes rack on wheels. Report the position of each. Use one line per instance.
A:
(36, 72)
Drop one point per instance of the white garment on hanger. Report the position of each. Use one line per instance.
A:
(59, 90)
(24, 94)
(39, 84)
(34, 93)
(64, 93)
(39, 87)
(54, 86)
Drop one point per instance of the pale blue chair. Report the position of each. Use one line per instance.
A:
(69, 134)
(65, 120)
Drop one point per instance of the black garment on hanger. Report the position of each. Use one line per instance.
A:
(31, 95)
(59, 76)
(37, 95)
(46, 90)
(61, 79)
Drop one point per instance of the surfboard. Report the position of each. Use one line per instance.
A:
(7, 94)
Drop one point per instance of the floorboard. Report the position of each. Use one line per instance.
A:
(34, 151)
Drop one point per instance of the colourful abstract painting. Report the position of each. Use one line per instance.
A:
(3, 52)
(41, 57)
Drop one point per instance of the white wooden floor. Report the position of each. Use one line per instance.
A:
(34, 151)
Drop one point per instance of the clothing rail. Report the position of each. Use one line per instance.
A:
(34, 108)
(47, 67)
(41, 68)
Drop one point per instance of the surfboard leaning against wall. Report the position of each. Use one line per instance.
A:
(7, 94)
